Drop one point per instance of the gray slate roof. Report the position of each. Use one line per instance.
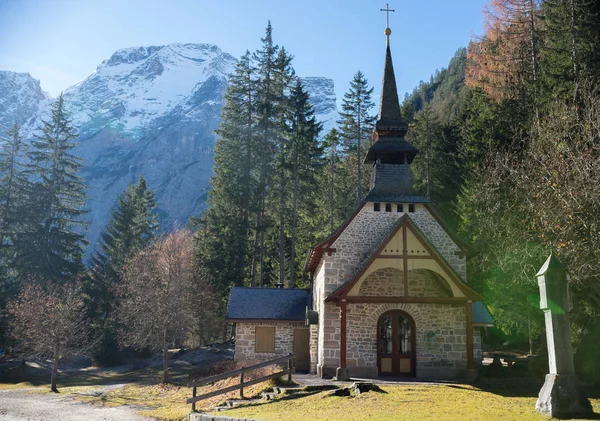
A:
(267, 304)
(481, 315)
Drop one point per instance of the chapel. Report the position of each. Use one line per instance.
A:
(388, 290)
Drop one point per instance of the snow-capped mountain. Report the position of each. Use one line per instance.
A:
(148, 111)
(21, 99)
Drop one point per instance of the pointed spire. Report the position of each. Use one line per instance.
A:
(389, 106)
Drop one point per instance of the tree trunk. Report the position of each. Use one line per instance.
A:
(358, 159)
(331, 187)
(294, 223)
(165, 362)
(255, 251)
(282, 222)
(54, 372)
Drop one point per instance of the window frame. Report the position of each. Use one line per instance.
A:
(264, 348)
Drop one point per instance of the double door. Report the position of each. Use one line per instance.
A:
(396, 354)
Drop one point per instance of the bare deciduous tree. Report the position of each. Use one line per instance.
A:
(160, 294)
(50, 321)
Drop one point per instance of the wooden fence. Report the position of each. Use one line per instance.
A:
(289, 359)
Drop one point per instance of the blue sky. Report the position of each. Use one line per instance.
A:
(61, 42)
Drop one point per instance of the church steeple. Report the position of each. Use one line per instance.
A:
(391, 155)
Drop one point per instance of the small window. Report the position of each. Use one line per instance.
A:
(411, 207)
(388, 207)
(399, 207)
(376, 207)
(264, 339)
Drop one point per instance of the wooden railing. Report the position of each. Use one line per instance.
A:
(241, 372)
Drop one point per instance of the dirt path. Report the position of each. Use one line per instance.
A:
(21, 405)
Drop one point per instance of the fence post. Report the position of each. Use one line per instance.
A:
(242, 384)
(193, 396)
(290, 369)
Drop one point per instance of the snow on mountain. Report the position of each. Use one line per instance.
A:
(322, 96)
(21, 99)
(148, 111)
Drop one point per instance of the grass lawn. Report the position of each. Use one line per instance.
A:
(402, 402)
(500, 399)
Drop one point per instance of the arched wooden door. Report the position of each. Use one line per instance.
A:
(396, 350)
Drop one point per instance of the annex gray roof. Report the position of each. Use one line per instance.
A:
(481, 315)
(267, 304)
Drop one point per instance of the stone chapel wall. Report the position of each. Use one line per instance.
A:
(370, 228)
(245, 340)
(440, 334)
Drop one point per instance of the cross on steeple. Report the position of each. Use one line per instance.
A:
(388, 31)
(387, 11)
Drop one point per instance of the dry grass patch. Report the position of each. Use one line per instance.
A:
(400, 403)
(167, 402)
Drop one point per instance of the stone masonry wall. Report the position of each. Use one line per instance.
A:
(425, 283)
(388, 282)
(245, 340)
(353, 247)
(477, 346)
(368, 229)
(440, 334)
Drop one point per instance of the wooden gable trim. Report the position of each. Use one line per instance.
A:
(263, 321)
(316, 254)
(426, 300)
(469, 292)
(344, 289)
(406, 221)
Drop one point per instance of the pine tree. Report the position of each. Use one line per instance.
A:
(305, 163)
(51, 245)
(13, 188)
(265, 146)
(282, 80)
(132, 226)
(13, 185)
(356, 125)
(233, 197)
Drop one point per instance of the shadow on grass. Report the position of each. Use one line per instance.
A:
(37, 376)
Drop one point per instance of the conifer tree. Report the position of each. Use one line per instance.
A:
(13, 188)
(132, 226)
(51, 245)
(234, 199)
(356, 125)
(13, 185)
(305, 163)
(283, 76)
(265, 145)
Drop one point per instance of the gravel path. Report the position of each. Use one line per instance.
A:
(20, 405)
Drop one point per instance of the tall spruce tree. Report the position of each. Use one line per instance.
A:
(51, 244)
(132, 226)
(356, 125)
(13, 188)
(305, 161)
(265, 146)
(283, 76)
(235, 197)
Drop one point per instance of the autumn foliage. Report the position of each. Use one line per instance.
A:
(49, 321)
(162, 296)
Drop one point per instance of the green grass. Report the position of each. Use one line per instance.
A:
(402, 403)
(501, 399)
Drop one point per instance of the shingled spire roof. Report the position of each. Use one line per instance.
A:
(390, 128)
(391, 154)
(389, 105)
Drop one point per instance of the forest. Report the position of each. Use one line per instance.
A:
(509, 135)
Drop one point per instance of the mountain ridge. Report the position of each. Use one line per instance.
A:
(150, 111)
